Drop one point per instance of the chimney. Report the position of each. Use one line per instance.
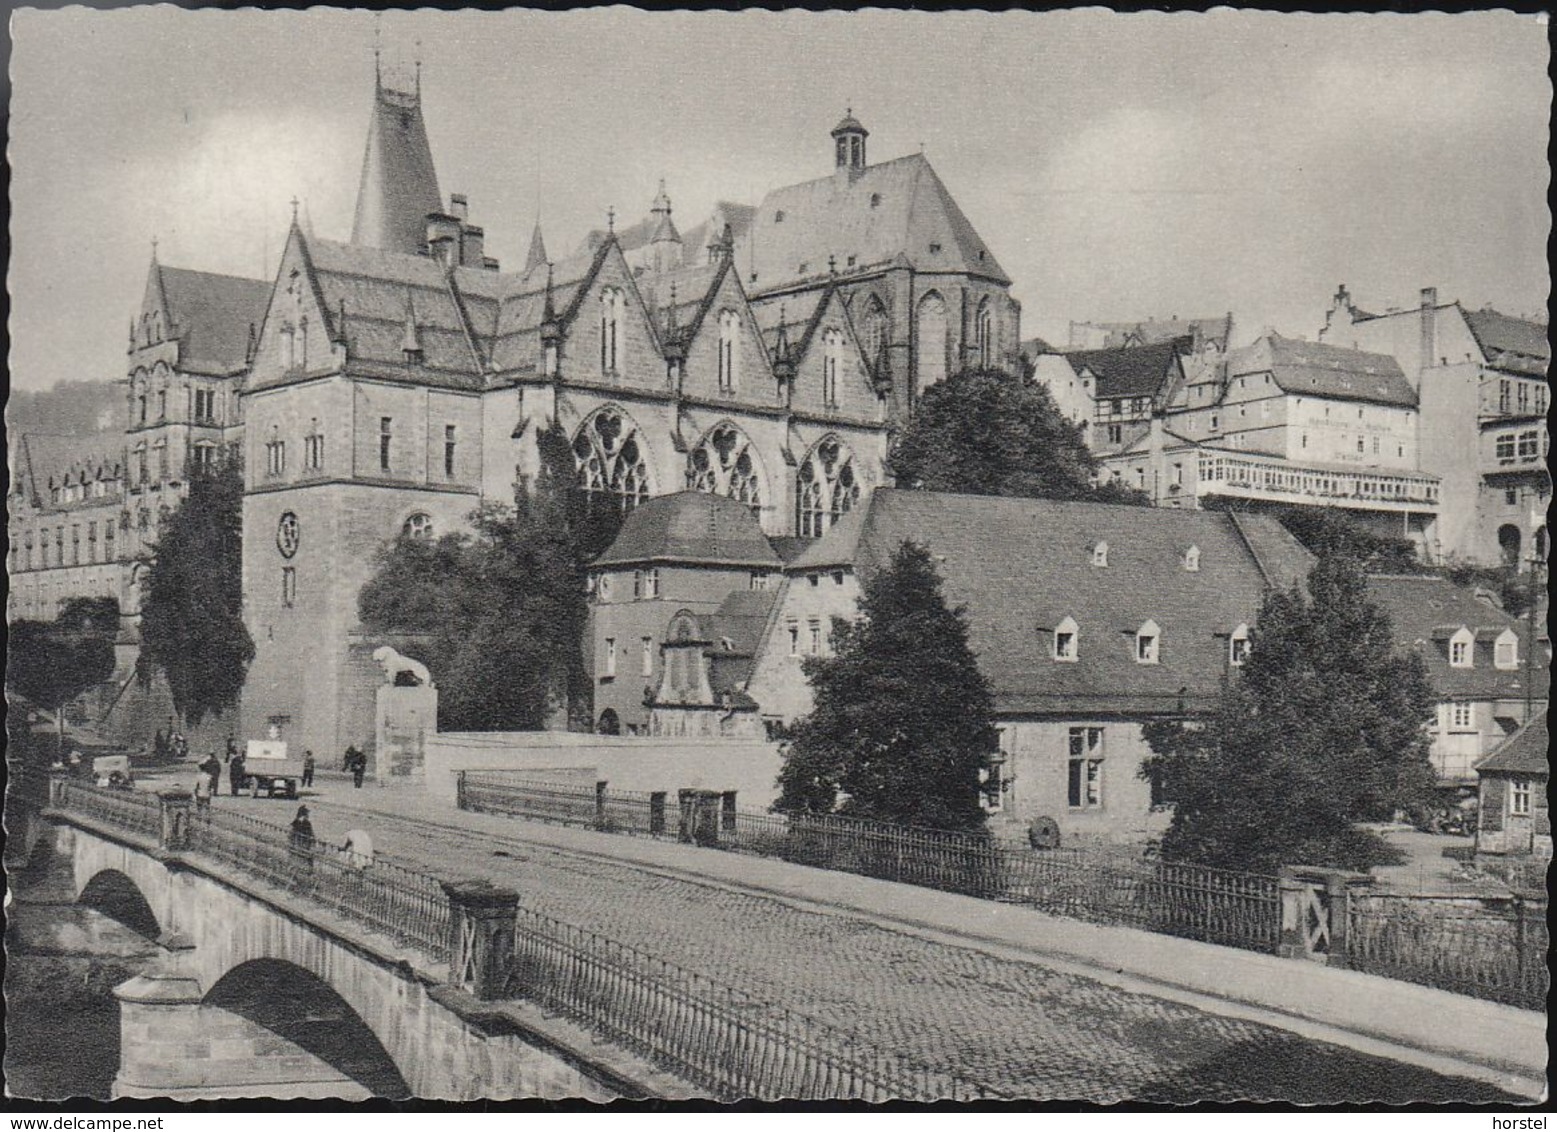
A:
(1429, 340)
(472, 245)
(459, 206)
(443, 237)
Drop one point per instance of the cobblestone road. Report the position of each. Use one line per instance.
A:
(1023, 1028)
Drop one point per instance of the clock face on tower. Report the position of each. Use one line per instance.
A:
(288, 534)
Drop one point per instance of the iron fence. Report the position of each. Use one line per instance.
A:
(131, 811)
(1491, 948)
(708, 1033)
(1193, 901)
(408, 906)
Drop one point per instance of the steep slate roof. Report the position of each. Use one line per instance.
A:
(1426, 611)
(1133, 371)
(833, 216)
(211, 316)
(380, 291)
(44, 461)
(1319, 369)
(694, 528)
(399, 185)
(740, 619)
(1021, 566)
(1511, 343)
(1523, 752)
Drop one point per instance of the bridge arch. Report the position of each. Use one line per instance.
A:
(305, 1012)
(119, 898)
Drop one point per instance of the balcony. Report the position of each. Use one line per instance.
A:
(1275, 480)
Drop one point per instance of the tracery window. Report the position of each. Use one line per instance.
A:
(610, 458)
(723, 464)
(873, 329)
(828, 487)
(984, 330)
(418, 526)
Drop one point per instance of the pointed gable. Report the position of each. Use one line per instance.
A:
(399, 185)
(830, 328)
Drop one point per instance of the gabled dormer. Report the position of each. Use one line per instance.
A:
(832, 375)
(298, 335)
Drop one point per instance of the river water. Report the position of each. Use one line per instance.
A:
(61, 1018)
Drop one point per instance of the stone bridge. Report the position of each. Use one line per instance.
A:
(260, 991)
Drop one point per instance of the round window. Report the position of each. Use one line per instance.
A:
(418, 526)
(289, 534)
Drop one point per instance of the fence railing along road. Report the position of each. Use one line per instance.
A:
(706, 1032)
(1496, 953)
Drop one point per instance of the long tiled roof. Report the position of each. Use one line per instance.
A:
(1515, 343)
(896, 211)
(1425, 611)
(691, 527)
(1134, 371)
(1523, 752)
(212, 315)
(1021, 566)
(43, 461)
(1318, 369)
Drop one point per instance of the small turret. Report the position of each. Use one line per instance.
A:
(849, 144)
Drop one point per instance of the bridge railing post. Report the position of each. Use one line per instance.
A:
(176, 809)
(481, 929)
(57, 782)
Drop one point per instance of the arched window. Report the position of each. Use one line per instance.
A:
(984, 334)
(930, 341)
(729, 327)
(1192, 559)
(612, 304)
(610, 458)
(418, 526)
(1509, 540)
(1238, 646)
(140, 464)
(302, 342)
(288, 346)
(874, 329)
(828, 487)
(723, 464)
(1067, 638)
(832, 355)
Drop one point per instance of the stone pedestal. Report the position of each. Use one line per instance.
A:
(404, 718)
(481, 926)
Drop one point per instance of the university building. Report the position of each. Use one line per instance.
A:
(400, 378)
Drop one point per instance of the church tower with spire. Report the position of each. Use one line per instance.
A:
(399, 186)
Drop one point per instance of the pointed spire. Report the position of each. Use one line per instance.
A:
(537, 255)
(294, 209)
(551, 329)
(411, 340)
(783, 366)
(611, 220)
(154, 248)
(399, 184)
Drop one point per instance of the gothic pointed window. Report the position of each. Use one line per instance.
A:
(827, 487)
(729, 324)
(984, 335)
(873, 329)
(931, 341)
(612, 306)
(832, 355)
(723, 464)
(609, 455)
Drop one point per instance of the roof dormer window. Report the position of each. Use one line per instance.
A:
(1505, 650)
(778, 217)
(875, 200)
(1148, 639)
(1066, 639)
(1238, 647)
(1100, 554)
(1461, 649)
(1192, 559)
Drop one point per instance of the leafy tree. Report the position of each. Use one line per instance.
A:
(1331, 531)
(901, 722)
(984, 432)
(52, 662)
(192, 627)
(502, 608)
(1324, 727)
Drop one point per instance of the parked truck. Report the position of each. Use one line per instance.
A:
(267, 767)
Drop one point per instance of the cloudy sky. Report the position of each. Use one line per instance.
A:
(1119, 166)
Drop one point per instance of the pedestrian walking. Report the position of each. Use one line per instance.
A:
(308, 768)
(358, 764)
(235, 775)
(159, 745)
(232, 748)
(300, 840)
(212, 770)
(203, 791)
